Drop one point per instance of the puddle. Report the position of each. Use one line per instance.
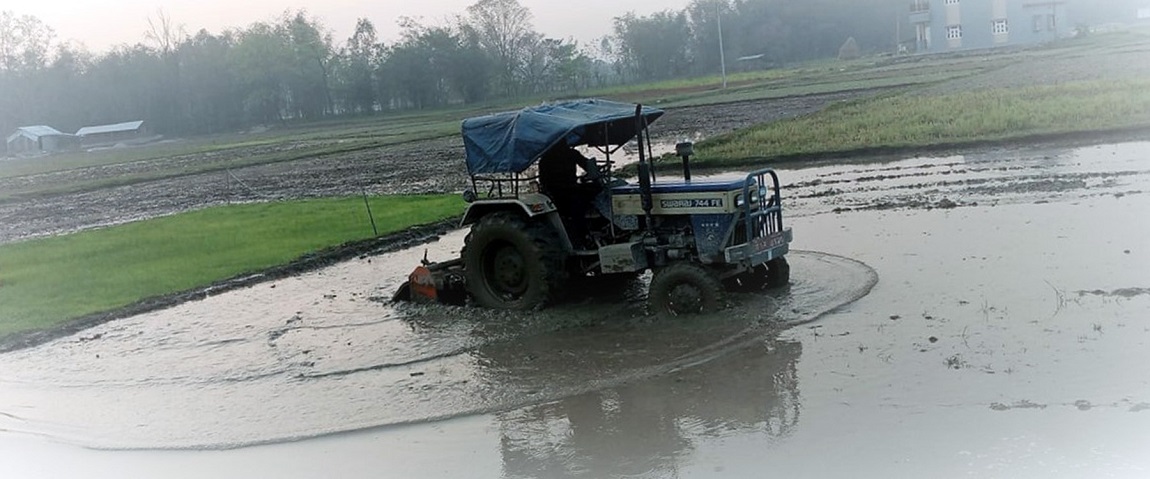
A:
(321, 354)
(629, 153)
(996, 177)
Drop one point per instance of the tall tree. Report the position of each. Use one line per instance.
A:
(311, 49)
(414, 68)
(503, 29)
(213, 100)
(357, 69)
(704, 42)
(163, 33)
(25, 42)
(653, 47)
(262, 60)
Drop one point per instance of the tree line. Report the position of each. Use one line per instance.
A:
(291, 68)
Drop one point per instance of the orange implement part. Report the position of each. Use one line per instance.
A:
(423, 285)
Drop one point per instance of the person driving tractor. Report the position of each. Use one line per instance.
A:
(573, 195)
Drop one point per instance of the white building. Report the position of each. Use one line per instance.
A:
(39, 139)
(109, 134)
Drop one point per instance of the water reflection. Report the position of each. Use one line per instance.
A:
(645, 429)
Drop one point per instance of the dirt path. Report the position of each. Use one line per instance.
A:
(432, 166)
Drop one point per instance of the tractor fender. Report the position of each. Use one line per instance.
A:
(529, 206)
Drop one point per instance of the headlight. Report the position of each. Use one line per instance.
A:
(740, 201)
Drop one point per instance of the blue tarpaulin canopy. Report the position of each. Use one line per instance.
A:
(511, 142)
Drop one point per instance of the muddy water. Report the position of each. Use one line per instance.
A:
(326, 351)
(1006, 338)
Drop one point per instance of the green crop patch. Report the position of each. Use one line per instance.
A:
(46, 282)
(909, 121)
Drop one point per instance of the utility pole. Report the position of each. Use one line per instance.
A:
(897, 32)
(722, 54)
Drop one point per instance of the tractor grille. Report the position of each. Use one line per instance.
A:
(762, 217)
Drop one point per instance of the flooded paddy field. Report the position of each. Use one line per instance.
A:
(1006, 336)
(327, 350)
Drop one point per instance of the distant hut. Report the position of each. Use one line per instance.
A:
(40, 139)
(754, 63)
(111, 134)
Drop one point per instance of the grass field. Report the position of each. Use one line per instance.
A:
(907, 121)
(48, 281)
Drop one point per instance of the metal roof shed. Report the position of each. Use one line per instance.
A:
(39, 139)
(34, 132)
(126, 127)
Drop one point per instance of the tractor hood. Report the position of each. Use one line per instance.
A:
(511, 142)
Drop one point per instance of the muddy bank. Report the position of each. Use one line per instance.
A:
(1050, 141)
(394, 242)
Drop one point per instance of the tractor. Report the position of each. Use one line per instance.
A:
(540, 227)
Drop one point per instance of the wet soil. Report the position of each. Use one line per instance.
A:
(1006, 338)
(432, 166)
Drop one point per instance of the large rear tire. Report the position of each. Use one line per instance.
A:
(685, 288)
(513, 263)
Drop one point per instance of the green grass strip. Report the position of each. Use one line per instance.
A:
(912, 120)
(46, 282)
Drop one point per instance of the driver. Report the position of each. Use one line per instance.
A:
(558, 179)
(557, 169)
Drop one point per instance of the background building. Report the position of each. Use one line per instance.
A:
(36, 140)
(950, 25)
(112, 134)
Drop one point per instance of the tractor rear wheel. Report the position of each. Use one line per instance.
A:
(685, 288)
(513, 263)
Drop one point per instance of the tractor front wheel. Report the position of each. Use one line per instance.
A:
(749, 281)
(512, 263)
(685, 288)
(775, 273)
(778, 273)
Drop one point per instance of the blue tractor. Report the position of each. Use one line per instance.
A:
(545, 218)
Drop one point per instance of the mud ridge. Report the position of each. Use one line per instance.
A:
(1118, 293)
(1051, 140)
(408, 238)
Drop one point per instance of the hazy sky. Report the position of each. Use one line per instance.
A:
(99, 24)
